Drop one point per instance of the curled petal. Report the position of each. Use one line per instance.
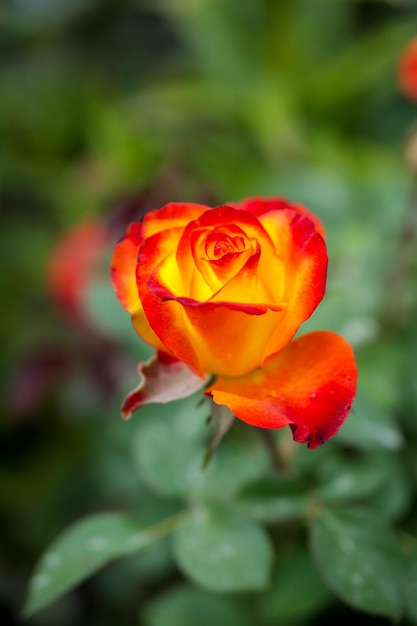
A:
(125, 255)
(163, 379)
(221, 254)
(260, 206)
(309, 386)
(242, 229)
(229, 296)
(172, 215)
(167, 319)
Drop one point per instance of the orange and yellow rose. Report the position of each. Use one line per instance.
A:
(224, 291)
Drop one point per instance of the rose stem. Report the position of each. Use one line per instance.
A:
(272, 449)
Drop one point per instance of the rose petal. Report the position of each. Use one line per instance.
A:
(220, 254)
(304, 255)
(167, 319)
(310, 386)
(260, 206)
(228, 337)
(125, 255)
(123, 276)
(171, 215)
(163, 379)
(123, 268)
(219, 220)
(229, 296)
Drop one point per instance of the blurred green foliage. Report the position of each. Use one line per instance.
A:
(106, 105)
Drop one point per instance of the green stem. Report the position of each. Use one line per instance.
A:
(274, 453)
(159, 530)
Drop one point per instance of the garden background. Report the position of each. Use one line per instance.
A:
(111, 108)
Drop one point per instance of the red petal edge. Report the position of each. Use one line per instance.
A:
(259, 206)
(123, 267)
(162, 379)
(165, 295)
(310, 386)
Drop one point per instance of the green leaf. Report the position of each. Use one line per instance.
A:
(370, 427)
(368, 61)
(169, 443)
(274, 498)
(169, 447)
(84, 548)
(308, 464)
(361, 561)
(236, 462)
(296, 591)
(347, 479)
(185, 605)
(394, 496)
(222, 550)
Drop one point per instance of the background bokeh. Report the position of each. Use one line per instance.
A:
(109, 108)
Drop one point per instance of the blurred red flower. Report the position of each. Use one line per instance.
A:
(72, 264)
(407, 70)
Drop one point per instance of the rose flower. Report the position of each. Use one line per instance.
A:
(407, 70)
(73, 263)
(224, 291)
